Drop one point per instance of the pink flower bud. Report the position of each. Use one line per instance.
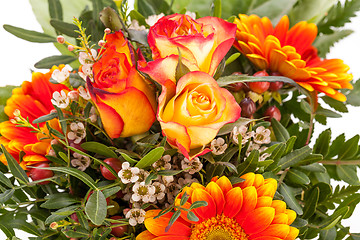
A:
(73, 95)
(107, 30)
(101, 43)
(60, 39)
(71, 48)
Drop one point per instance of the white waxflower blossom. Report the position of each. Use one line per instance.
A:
(159, 190)
(73, 95)
(60, 99)
(142, 175)
(86, 58)
(84, 93)
(151, 20)
(244, 134)
(191, 14)
(252, 146)
(128, 174)
(167, 180)
(218, 146)
(81, 162)
(86, 71)
(262, 135)
(136, 26)
(187, 180)
(93, 115)
(144, 193)
(192, 166)
(77, 133)
(135, 216)
(162, 163)
(61, 75)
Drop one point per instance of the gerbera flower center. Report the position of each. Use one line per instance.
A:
(220, 227)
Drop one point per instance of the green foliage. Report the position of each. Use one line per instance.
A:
(325, 41)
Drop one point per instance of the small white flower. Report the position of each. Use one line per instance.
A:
(77, 133)
(252, 146)
(61, 76)
(60, 99)
(151, 20)
(128, 174)
(93, 115)
(218, 146)
(86, 71)
(80, 161)
(136, 26)
(73, 95)
(262, 135)
(162, 163)
(86, 58)
(242, 130)
(159, 190)
(191, 14)
(84, 93)
(144, 193)
(167, 179)
(135, 216)
(192, 166)
(142, 175)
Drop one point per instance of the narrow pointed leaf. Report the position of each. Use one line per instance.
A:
(28, 35)
(96, 207)
(14, 167)
(150, 158)
(48, 62)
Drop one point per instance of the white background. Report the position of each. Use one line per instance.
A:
(18, 57)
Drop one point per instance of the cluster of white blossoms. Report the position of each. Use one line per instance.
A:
(61, 75)
(135, 216)
(80, 161)
(218, 146)
(77, 133)
(62, 99)
(86, 59)
(191, 166)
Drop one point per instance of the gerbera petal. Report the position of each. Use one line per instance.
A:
(205, 211)
(291, 215)
(249, 203)
(217, 194)
(145, 235)
(264, 201)
(293, 233)
(268, 189)
(280, 218)
(273, 230)
(234, 200)
(157, 226)
(225, 184)
(258, 220)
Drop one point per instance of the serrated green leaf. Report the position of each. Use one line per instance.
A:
(55, 9)
(352, 202)
(28, 35)
(14, 166)
(99, 148)
(327, 112)
(311, 203)
(353, 98)
(58, 200)
(310, 10)
(294, 157)
(348, 174)
(289, 198)
(322, 143)
(298, 177)
(150, 158)
(349, 148)
(48, 62)
(96, 207)
(336, 146)
(325, 41)
(335, 104)
(65, 28)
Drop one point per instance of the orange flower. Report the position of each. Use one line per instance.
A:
(125, 100)
(244, 211)
(204, 41)
(33, 99)
(290, 53)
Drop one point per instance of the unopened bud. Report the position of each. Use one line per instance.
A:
(60, 39)
(71, 48)
(17, 113)
(73, 95)
(101, 43)
(17, 119)
(13, 121)
(54, 225)
(107, 30)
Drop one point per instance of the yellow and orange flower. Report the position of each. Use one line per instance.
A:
(290, 53)
(33, 99)
(125, 100)
(244, 211)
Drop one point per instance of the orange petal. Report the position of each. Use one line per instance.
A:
(145, 235)
(249, 203)
(291, 215)
(279, 206)
(268, 189)
(225, 184)
(249, 180)
(264, 201)
(258, 220)
(294, 232)
(281, 218)
(216, 193)
(205, 212)
(274, 230)
(233, 204)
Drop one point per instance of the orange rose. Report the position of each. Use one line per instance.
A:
(204, 41)
(125, 100)
(192, 112)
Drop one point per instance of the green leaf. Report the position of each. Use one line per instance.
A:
(281, 134)
(310, 10)
(198, 204)
(311, 203)
(28, 35)
(348, 174)
(111, 191)
(96, 207)
(274, 9)
(217, 8)
(349, 148)
(294, 157)
(5, 228)
(289, 198)
(352, 202)
(325, 41)
(152, 7)
(65, 28)
(322, 143)
(249, 164)
(327, 112)
(128, 158)
(5, 94)
(76, 81)
(173, 218)
(75, 173)
(335, 104)
(55, 9)
(329, 234)
(45, 118)
(315, 167)
(150, 158)
(336, 146)
(58, 200)
(312, 158)
(99, 148)
(5, 180)
(135, 15)
(181, 68)
(97, 7)
(192, 217)
(169, 172)
(24, 226)
(83, 220)
(290, 144)
(48, 62)
(276, 154)
(353, 98)
(14, 167)
(297, 177)
(110, 19)
(224, 81)
(227, 128)
(332, 220)
(232, 58)
(6, 195)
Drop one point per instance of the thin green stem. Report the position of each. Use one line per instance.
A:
(340, 162)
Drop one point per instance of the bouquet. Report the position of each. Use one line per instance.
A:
(181, 120)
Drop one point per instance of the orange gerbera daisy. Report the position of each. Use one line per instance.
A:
(290, 53)
(243, 211)
(33, 99)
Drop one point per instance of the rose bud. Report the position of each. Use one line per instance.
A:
(259, 87)
(248, 107)
(120, 230)
(115, 164)
(37, 174)
(272, 112)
